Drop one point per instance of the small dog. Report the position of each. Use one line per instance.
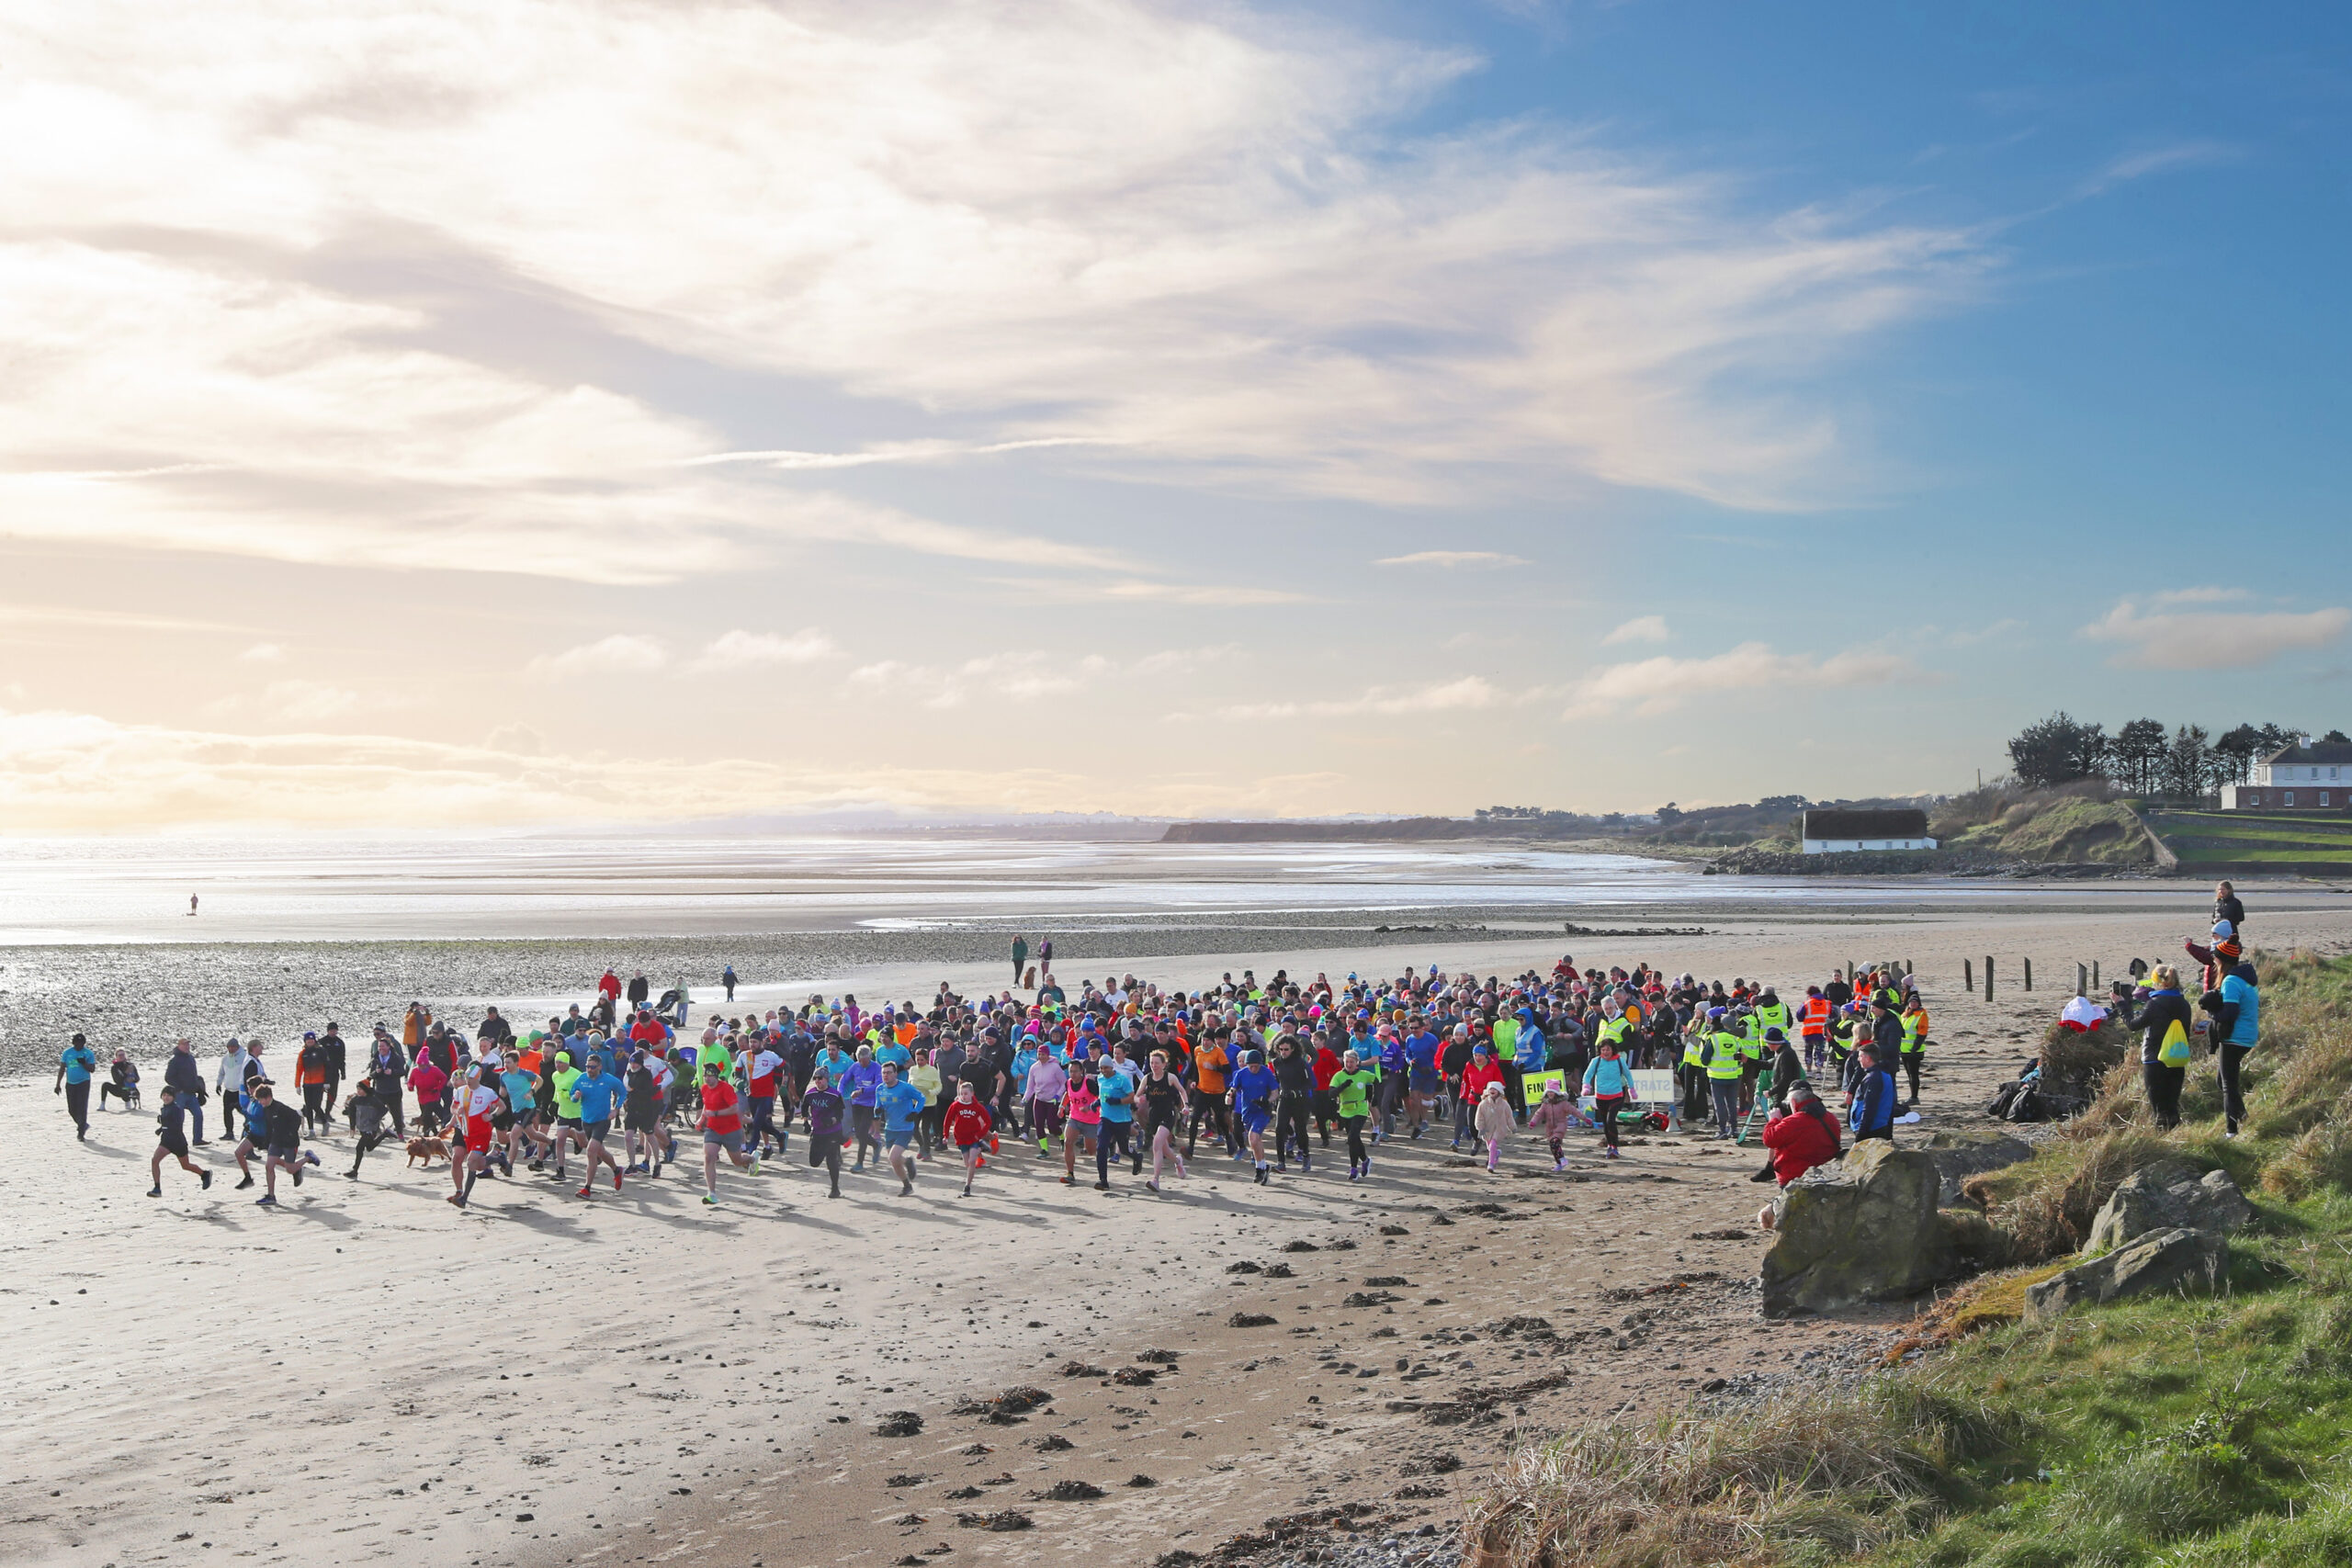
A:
(427, 1150)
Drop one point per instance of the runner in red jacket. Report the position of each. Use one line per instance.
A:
(966, 1125)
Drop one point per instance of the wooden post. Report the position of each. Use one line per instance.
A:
(1988, 976)
(2029, 974)
(1906, 966)
(2082, 980)
(1968, 976)
(2095, 984)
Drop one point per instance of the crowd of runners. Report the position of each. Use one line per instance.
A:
(1104, 1079)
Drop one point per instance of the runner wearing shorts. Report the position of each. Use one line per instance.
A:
(722, 1128)
(1210, 1059)
(172, 1140)
(966, 1125)
(475, 1101)
(595, 1092)
(641, 1116)
(1082, 1118)
(1163, 1100)
(1254, 1089)
(900, 1106)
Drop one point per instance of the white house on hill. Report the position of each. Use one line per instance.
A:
(1829, 832)
(2308, 777)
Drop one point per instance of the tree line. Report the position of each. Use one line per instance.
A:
(2143, 757)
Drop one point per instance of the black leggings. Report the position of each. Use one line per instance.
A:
(861, 1122)
(2232, 1099)
(315, 1108)
(1119, 1135)
(1605, 1107)
(367, 1142)
(826, 1152)
(1207, 1108)
(1911, 1071)
(1357, 1154)
(2162, 1085)
(1291, 1124)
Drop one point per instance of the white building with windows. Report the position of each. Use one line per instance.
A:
(2309, 776)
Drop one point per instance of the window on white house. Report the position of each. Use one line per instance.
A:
(2288, 799)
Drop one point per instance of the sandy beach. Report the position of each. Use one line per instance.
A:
(367, 1374)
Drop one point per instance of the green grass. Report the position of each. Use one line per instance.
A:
(2198, 837)
(2169, 1432)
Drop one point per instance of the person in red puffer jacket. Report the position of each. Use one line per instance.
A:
(1800, 1138)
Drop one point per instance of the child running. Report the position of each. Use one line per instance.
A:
(967, 1126)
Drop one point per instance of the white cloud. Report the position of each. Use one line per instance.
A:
(2211, 640)
(1468, 694)
(1213, 595)
(741, 649)
(622, 653)
(2194, 154)
(251, 250)
(301, 702)
(1014, 676)
(1641, 628)
(1480, 558)
(1657, 686)
(262, 653)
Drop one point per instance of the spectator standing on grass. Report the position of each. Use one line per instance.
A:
(2166, 1027)
(2237, 1020)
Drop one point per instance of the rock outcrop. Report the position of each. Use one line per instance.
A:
(2171, 1259)
(1863, 1228)
(1961, 1155)
(2169, 1196)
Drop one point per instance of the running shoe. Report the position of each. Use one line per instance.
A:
(754, 1169)
(266, 1201)
(1099, 1187)
(1153, 1184)
(155, 1192)
(616, 1182)
(248, 1181)
(298, 1176)
(710, 1202)
(206, 1177)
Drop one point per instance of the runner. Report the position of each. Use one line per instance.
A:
(1163, 1112)
(594, 1091)
(722, 1128)
(1082, 1119)
(1611, 1088)
(282, 1130)
(368, 1117)
(641, 1113)
(1254, 1090)
(826, 1114)
(1353, 1088)
(966, 1125)
(1116, 1092)
(477, 1099)
(1042, 1091)
(171, 1140)
(900, 1106)
(1210, 1062)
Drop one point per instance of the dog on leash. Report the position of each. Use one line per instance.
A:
(425, 1151)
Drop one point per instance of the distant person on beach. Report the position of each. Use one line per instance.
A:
(191, 905)
(728, 980)
(1019, 957)
(639, 987)
(1045, 958)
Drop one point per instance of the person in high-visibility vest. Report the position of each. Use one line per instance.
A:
(1813, 1022)
(1915, 1042)
(1751, 1045)
(1692, 1072)
(1725, 1059)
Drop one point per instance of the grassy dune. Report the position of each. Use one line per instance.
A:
(2173, 1431)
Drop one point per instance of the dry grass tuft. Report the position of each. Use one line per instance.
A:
(1847, 1472)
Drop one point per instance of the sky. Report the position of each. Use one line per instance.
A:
(518, 411)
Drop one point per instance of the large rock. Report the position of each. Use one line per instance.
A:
(1961, 1155)
(1863, 1228)
(2169, 1196)
(2173, 1259)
